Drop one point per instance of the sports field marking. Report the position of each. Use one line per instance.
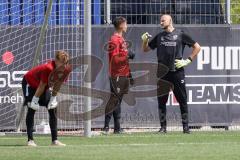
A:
(132, 144)
(211, 76)
(133, 135)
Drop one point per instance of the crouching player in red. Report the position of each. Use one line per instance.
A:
(36, 86)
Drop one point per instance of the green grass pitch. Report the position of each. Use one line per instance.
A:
(146, 146)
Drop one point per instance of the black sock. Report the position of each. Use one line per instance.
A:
(30, 123)
(53, 123)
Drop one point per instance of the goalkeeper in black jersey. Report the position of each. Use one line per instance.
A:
(170, 45)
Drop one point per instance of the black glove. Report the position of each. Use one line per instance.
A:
(131, 55)
(131, 80)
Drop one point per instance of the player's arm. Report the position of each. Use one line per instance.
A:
(196, 49)
(56, 88)
(40, 90)
(57, 85)
(187, 40)
(53, 100)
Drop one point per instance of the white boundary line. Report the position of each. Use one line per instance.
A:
(212, 76)
(130, 144)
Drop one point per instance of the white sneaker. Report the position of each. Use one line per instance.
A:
(31, 143)
(58, 143)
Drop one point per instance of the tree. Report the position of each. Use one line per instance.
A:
(235, 11)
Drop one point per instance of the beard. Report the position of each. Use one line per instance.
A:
(165, 27)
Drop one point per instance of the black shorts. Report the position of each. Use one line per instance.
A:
(119, 85)
(29, 92)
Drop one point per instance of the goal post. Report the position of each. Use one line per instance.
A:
(87, 49)
(42, 33)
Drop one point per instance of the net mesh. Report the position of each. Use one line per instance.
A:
(182, 11)
(20, 31)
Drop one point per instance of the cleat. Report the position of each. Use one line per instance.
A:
(121, 131)
(31, 143)
(186, 130)
(105, 130)
(58, 143)
(162, 130)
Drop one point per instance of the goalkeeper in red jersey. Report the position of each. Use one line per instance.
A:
(36, 86)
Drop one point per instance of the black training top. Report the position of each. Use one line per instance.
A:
(170, 46)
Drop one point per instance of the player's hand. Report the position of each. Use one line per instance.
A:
(131, 81)
(52, 103)
(146, 36)
(182, 63)
(34, 104)
(131, 55)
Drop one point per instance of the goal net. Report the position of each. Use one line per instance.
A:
(25, 40)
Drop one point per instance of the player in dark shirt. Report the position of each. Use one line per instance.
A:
(170, 45)
(35, 85)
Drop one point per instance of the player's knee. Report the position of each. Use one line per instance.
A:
(162, 101)
(117, 116)
(183, 103)
(112, 104)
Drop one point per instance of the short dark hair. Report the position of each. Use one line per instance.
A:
(118, 21)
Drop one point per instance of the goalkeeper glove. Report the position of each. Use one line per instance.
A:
(131, 55)
(34, 104)
(182, 63)
(146, 36)
(52, 103)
